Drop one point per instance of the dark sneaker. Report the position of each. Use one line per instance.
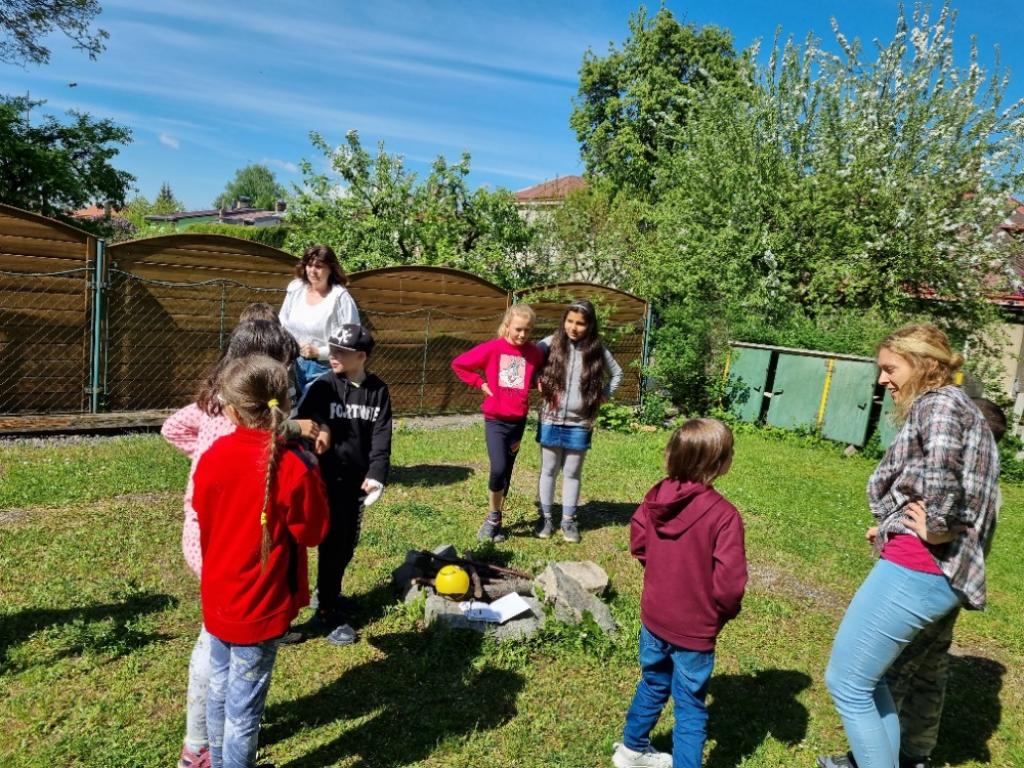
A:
(343, 634)
(190, 759)
(544, 528)
(624, 757)
(291, 637)
(570, 532)
(490, 531)
(837, 761)
(915, 762)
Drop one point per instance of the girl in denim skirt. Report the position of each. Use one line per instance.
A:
(573, 386)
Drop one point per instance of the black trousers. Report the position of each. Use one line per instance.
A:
(503, 440)
(346, 504)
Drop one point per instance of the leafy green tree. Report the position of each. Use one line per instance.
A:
(25, 24)
(375, 213)
(55, 167)
(593, 235)
(257, 182)
(845, 194)
(165, 202)
(633, 103)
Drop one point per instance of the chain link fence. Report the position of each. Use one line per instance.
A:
(133, 343)
(45, 323)
(162, 337)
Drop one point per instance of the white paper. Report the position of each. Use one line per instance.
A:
(498, 612)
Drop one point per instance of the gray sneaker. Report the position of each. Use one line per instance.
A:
(544, 527)
(837, 761)
(490, 531)
(342, 635)
(570, 532)
(624, 757)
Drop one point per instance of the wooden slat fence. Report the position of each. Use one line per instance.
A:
(45, 313)
(166, 306)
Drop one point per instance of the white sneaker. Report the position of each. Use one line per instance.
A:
(624, 757)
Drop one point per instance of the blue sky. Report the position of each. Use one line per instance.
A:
(208, 87)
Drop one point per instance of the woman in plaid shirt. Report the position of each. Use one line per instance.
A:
(933, 497)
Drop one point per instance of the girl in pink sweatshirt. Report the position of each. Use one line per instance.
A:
(192, 430)
(504, 369)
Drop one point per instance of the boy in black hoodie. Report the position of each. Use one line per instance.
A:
(356, 406)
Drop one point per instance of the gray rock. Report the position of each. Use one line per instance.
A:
(439, 609)
(571, 602)
(447, 611)
(520, 627)
(588, 574)
(445, 550)
(850, 450)
(506, 587)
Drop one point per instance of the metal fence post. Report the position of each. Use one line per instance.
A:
(645, 355)
(423, 362)
(96, 342)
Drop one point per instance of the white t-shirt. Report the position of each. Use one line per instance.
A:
(316, 323)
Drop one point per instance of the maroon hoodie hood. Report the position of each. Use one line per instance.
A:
(690, 541)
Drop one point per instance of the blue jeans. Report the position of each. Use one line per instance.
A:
(306, 372)
(667, 670)
(892, 605)
(239, 681)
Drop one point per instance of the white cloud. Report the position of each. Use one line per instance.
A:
(282, 165)
(169, 141)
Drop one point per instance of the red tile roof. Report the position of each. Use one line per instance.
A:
(551, 190)
(92, 212)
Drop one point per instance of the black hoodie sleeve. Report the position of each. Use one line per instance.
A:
(380, 441)
(316, 403)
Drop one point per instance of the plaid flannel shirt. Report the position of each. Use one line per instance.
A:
(946, 457)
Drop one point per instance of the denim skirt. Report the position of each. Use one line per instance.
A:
(561, 436)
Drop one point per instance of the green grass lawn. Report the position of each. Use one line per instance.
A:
(98, 614)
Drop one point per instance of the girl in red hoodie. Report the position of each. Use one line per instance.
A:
(259, 506)
(689, 539)
(504, 369)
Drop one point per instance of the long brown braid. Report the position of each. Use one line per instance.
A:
(256, 387)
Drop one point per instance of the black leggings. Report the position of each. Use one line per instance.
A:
(337, 548)
(503, 439)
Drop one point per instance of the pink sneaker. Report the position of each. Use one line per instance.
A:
(190, 759)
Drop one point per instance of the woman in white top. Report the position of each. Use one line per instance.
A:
(316, 306)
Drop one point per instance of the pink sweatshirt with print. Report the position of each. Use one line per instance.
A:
(192, 432)
(509, 371)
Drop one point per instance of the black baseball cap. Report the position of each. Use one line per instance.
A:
(352, 337)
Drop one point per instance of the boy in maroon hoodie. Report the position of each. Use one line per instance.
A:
(689, 539)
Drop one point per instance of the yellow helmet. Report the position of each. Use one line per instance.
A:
(452, 581)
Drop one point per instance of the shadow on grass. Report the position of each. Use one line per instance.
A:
(101, 628)
(427, 689)
(972, 711)
(747, 709)
(429, 475)
(601, 514)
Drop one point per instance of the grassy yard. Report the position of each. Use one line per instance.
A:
(98, 614)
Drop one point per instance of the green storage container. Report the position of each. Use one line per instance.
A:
(887, 431)
(796, 391)
(749, 367)
(848, 407)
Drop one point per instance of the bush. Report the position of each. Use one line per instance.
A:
(272, 236)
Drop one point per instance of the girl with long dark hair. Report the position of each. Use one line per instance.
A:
(573, 386)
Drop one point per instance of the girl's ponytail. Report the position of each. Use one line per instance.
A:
(256, 386)
(277, 418)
